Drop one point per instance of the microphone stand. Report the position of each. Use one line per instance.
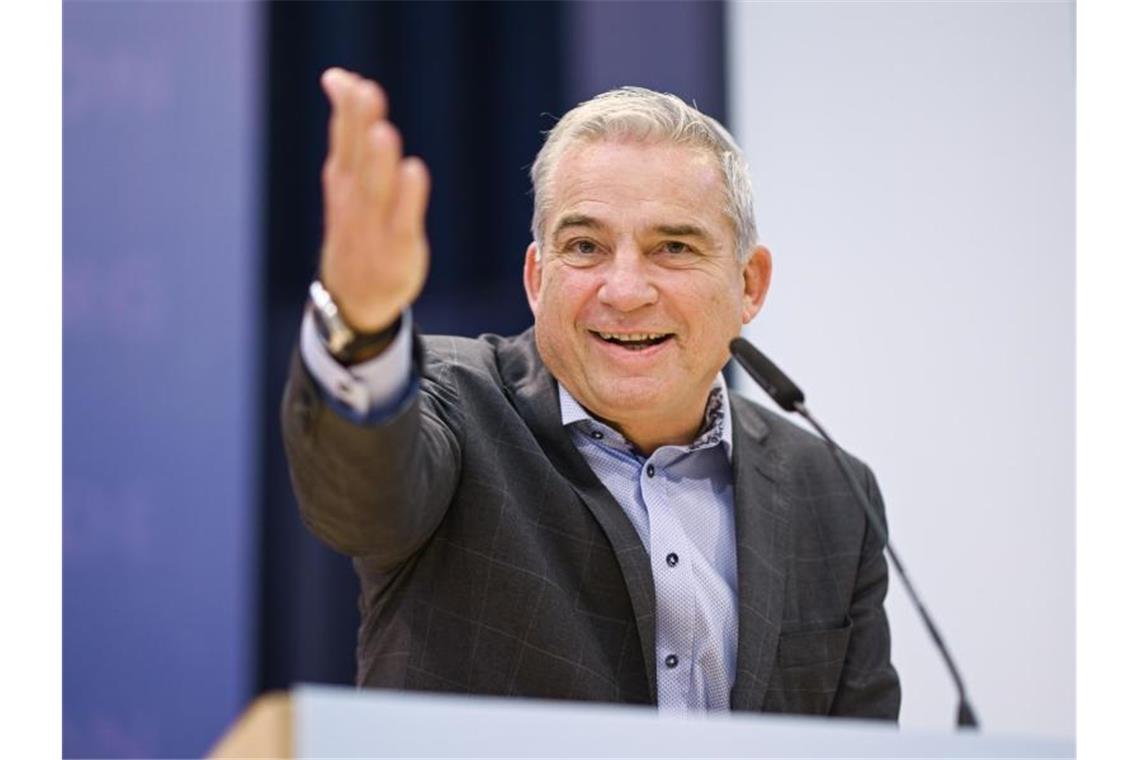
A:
(790, 398)
(966, 718)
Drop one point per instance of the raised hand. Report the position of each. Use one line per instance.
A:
(374, 258)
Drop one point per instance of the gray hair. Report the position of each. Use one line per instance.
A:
(641, 114)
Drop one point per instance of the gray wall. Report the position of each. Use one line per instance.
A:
(914, 166)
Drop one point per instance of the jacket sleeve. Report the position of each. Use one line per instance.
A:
(373, 490)
(869, 686)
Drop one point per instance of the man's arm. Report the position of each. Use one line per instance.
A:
(372, 490)
(373, 464)
(869, 685)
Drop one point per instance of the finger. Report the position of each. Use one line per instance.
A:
(381, 111)
(337, 84)
(353, 129)
(409, 210)
(380, 163)
(364, 105)
(331, 84)
(356, 104)
(330, 79)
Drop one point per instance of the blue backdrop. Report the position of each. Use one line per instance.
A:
(160, 149)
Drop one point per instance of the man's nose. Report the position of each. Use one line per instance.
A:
(627, 282)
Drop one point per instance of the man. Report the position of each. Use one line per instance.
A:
(583, 511)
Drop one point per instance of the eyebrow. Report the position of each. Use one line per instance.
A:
(576, 220)
(682, 230)
(669, 230)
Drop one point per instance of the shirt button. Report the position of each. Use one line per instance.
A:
(597, 435)
(671, 661)
(650, 471)
(671, 559)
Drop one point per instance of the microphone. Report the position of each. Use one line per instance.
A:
(791, 399)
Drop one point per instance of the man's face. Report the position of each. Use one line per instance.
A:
(639, 291)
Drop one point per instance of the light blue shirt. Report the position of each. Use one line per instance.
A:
(679, 499)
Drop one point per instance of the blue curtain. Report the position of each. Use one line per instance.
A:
(467, 84)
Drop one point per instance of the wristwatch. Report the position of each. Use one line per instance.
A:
(344, 343)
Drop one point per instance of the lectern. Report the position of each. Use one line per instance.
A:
(331, 722)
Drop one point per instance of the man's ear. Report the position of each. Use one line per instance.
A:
(532, 276)
(757, 277)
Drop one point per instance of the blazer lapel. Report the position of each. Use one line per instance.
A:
(761, 510)
(532, 389)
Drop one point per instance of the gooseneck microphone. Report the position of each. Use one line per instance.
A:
(791, 399)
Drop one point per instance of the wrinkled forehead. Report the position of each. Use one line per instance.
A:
(637, 177)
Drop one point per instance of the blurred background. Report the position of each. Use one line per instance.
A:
(913, 164)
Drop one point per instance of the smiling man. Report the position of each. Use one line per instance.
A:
(583, 511)
(643, 282)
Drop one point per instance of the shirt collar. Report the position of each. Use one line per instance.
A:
(715, 429)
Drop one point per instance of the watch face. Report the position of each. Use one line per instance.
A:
(332, 329)
(339, 335)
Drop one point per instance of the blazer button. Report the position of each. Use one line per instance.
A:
(671, 661)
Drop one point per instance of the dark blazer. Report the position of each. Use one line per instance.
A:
(493, 561)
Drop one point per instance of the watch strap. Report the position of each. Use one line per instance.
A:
(343, 342)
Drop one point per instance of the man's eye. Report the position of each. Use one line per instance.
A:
(674, 246)
(583, 246)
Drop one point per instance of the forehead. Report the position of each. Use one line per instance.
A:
(626, 181)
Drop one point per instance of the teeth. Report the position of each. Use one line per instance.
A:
(632, 337)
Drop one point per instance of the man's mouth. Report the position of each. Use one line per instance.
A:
(633, 341)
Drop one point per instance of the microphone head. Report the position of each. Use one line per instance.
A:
(774, 382)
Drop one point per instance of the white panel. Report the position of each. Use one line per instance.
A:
(337, 721)
(913, 164)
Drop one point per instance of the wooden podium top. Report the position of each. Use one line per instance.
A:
(265, 729)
